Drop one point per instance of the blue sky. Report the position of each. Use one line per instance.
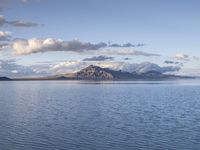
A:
(167, 28)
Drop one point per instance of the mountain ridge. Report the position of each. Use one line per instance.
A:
(97, 73)
(93, 72)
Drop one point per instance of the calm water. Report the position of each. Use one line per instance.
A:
(69, 115)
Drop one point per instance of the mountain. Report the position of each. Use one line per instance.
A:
(97, 73)
(4, 79)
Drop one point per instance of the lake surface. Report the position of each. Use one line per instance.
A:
(81, 115)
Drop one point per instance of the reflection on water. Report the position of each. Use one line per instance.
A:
(105, 115)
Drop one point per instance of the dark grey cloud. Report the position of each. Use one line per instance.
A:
(98, 58)
(19, 23)
(127, 58)
(16, 23)
(171, 62)
(125, 45)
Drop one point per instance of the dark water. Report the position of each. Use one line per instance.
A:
(66, 115)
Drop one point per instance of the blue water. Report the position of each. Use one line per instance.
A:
(81, 115)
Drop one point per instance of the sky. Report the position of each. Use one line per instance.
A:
(48, 37)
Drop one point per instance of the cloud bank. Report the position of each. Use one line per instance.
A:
(35, 45)
(73, 66)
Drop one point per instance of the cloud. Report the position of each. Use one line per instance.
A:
(35, 45)
(19, 23)
(5, 36)
(99, 58)
(127, 58)
(9, 68)
(141, 67)
(4, 46)
(68, 67)
(126, 52)
(74, 66)
(16, 23)
(25, 47)
(196, 58)
(171, 62)
(181, 56)
(125, 45)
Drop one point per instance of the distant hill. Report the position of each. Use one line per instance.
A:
(4, 79)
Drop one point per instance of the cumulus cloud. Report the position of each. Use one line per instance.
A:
(25, 47)
(35, 45)
(98, 58)
(181, 56)
(5, 36)
(16, 23)
(73, 66)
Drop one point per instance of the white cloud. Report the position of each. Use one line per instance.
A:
(5, 36)
(181, 56)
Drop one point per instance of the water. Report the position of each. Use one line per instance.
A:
(72, 115)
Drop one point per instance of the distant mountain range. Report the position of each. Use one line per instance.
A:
(97, 73)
